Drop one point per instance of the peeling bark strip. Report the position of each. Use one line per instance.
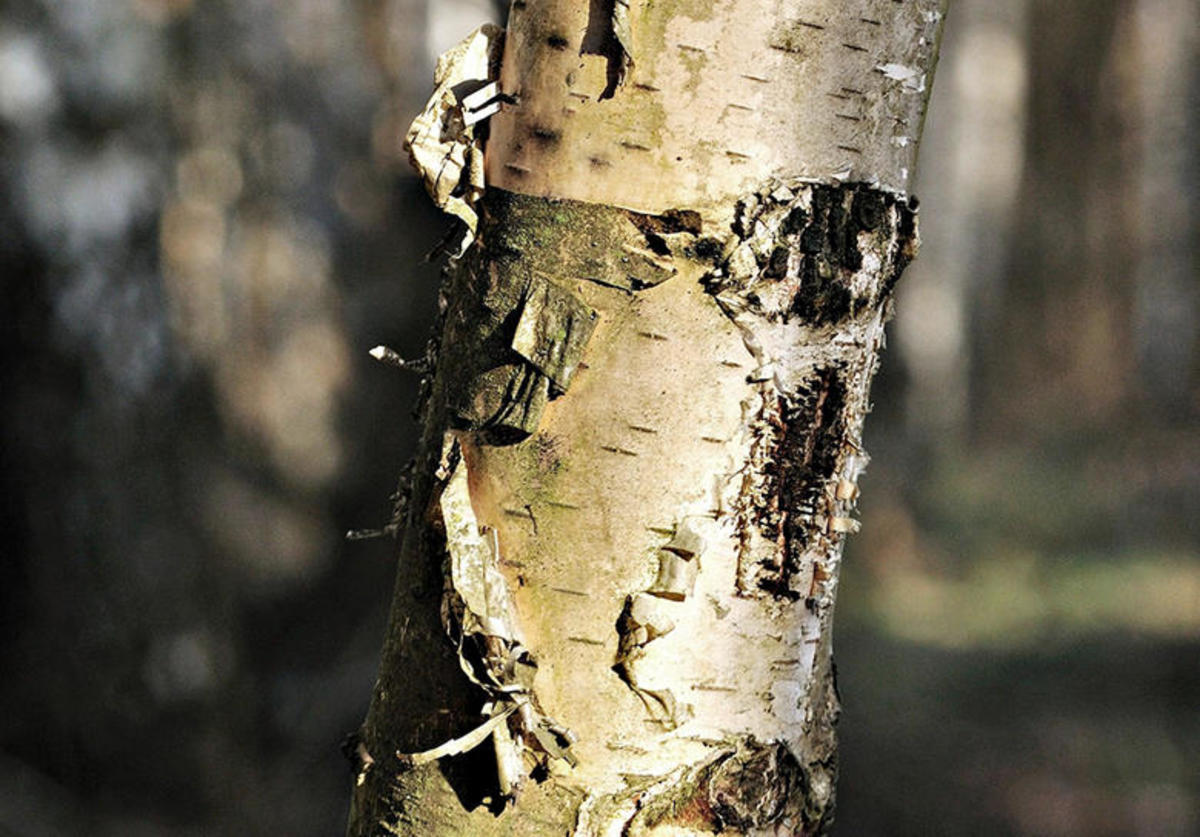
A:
(642, 433)
(479, 617)
(442, 144)
(517, 327)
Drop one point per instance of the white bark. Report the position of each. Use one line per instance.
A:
(652, 379)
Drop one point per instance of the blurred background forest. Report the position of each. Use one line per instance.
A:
(208, 220)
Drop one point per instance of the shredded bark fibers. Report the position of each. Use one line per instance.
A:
(807, 453)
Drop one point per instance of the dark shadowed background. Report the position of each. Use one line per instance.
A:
(206, 222)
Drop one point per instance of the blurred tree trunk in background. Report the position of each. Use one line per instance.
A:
(1068, 343)
(193, 232)
(642, 440)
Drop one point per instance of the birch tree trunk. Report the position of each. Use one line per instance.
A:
(641, 443)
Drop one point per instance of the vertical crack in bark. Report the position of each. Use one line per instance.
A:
(802, 440)
(609, 35)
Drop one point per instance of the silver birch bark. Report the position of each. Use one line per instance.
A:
(642, 441)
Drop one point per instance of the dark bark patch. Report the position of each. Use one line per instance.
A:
(472, 777)
(657, 244)
(806, 449)
(571, 239)
(671, 221)
(907, 246)
(751, 788)
(822, 299)
(757, 786)
(775, 266)
(869, 207)
(708, 249)
(831, 243)
(794, 221)
(517, 329)
(819, 250)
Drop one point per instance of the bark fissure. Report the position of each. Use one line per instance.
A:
(609, 35)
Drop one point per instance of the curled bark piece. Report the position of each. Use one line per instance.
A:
(442, 141)
(686, 541)
(478, 615)
(361, 760)
(389, 356)
(676, 576)
(519, 338)
(474, 577)
(744, 786)
(644, 619)
(458, 745)
(554, 328)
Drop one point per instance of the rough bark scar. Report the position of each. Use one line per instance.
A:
(810, 250)
(805, 441)
(518, 329)
(747, 787)
(519, 340)
(807, 277)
